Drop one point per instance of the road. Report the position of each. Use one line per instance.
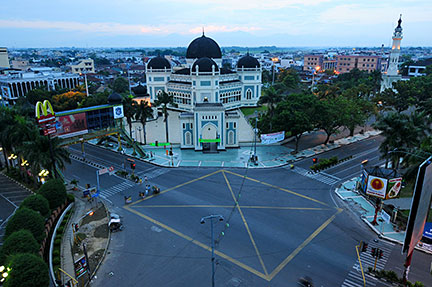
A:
(280, 224)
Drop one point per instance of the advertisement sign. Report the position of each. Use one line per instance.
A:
(420, 206)
(118, 112)
(363, 180)
(393, 187)
(272, 138)
(385, 217)
(427, 232)
(71, 125)
(80, 267)
(377, 186)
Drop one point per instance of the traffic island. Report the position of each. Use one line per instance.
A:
(91, 238)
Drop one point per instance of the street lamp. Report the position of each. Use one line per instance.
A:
(4, 273)
(212, 217)
(274, 60)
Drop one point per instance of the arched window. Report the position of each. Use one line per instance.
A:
(188, 138)
(248, 94)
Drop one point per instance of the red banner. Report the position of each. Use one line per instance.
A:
(71, 125)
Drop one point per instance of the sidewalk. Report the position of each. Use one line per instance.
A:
(347, 192)
(268, 155)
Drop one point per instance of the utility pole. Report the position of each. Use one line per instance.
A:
(212, 217)
(255, 137)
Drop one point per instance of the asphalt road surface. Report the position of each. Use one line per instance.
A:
(279, 224)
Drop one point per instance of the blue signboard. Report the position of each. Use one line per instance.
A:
(427, 232)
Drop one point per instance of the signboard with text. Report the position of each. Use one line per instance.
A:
(272, 138)
(393, 187)
(71, 125)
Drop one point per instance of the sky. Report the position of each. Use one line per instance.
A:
(246, 23)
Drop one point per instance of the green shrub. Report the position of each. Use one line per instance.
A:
(56, 252)
(27, 270)
(21, 241)
(54, 191)
(57, 241)
(37, 203)
(28, 219)
(56, 260)
(70, 197)
(392, 276)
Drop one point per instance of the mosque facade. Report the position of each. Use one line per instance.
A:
(208, 95)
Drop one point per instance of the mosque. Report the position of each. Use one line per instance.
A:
(208, 95)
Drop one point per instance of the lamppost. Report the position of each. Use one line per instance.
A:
(212, 217)
(254, 157)
(316, 69)
(274, 60)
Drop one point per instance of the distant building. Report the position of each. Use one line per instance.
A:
(419, 68)
(345, 63)
(84, 66)
(17, 84)
(22, 65)
(312, 61)
(329, 65)
(392, 74)
(4, 58)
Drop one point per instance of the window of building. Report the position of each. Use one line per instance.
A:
(191, 125)
(234, 124)
(184, 126)
(227, 125)
(188, 138)
(230, 137)
(248, 94)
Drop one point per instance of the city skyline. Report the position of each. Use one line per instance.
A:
(283, 23)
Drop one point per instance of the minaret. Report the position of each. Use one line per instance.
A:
(395, 52)
(392, 75)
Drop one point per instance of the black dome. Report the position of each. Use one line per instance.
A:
(159, 63)
(203, 47)
(204, 65)
(114, 98)
(248, 62)
(139, 90)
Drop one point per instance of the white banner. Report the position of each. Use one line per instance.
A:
(272, 138)
(376, 186)
(118, 112)
(385, 217)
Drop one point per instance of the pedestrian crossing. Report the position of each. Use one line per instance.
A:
(355, 278)
(153, 173)
(116, 189)
(321, 176)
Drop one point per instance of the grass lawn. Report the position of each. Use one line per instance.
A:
(408, 190)
(250, 111)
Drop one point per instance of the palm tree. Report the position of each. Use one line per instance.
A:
(7, 122)
(142, 112)
(129, 111)
(163, 100)
(270, 97)
(37, 152)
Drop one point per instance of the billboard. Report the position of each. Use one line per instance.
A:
(71, 125)
(420, 206)
(272, 138)
(393, 187)
(376, 186)
(427, 232)
(363, 180)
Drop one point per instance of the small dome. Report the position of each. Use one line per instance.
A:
(139, 90)
(159, 63)
(114, 99)
(248, 62)
(203, 47)
(204, 65)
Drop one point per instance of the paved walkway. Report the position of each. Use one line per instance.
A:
(268, 155)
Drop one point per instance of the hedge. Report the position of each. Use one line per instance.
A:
(37, 203)
(27, 270)
(21, 241)
(28, 219)
(54, 191)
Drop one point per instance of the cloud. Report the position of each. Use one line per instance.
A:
(254, 4)
(122, 29)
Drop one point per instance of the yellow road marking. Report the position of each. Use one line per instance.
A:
(246, 225)
(301, 246)
(174, 187)
(198, 243)
(277, 187)
(230, 206)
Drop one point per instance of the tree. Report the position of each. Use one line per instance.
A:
(357, 111)
(401, 132)
(295, 115)
(270, 97)
(37, 152)
(38, 95)
(25, 218)
(21, 241)
(54, 191)
(6, 125)
(67, 101)
(142, 112)
(120, 85)
(37, 203)
(163, 100)
(129, 111)
(27, 270)
(329, 115)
